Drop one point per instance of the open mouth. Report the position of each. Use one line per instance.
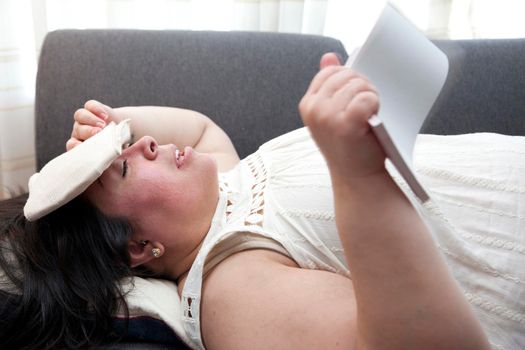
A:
(179, 158)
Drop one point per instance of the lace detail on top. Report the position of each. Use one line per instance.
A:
(231, 194)
(217, 244)
(256, 214)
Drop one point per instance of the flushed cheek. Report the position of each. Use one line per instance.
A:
(101, 199)
(161, 191)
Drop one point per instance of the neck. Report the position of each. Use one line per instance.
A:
(181, 269)
(178, 269)
(181, 281)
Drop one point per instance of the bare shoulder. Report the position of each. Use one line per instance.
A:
(259, 300)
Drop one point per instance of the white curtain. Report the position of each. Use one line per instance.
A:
(17, 75)
(24, 24)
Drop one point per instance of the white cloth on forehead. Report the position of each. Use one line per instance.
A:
(69, 174)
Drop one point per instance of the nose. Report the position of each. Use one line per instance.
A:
(147, 146)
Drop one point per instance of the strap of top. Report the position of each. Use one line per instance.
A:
(238, 242)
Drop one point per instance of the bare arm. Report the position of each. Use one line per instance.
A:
(406, 296)
(254, 301)
(182, 127)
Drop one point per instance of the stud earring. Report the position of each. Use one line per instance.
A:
(156, 252)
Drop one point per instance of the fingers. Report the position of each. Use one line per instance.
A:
(86, 124)
(337, 81)
(88, 121)
(99, 109)
(344, 95)
(83, 132)
(71, 143)
(329, 65)
(338, 88)
(336, 109)
(85, 117)
(320, 78)
(350, 89)
(80, 133)
(332, 77)
(363, 105)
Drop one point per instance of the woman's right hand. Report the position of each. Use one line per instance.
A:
(336, 108)
(89, 121)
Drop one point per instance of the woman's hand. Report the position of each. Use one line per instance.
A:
(336, 108)
(89, 121)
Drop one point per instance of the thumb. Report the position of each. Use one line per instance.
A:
(330, 59)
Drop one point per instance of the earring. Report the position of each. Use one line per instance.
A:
(156, 252)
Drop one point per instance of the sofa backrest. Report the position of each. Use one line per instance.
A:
(249, 83)
(485, 88)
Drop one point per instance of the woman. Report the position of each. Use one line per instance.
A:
(163, 212)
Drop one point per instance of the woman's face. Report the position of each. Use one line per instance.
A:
(164, 193)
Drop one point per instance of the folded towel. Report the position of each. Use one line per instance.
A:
(69, 174)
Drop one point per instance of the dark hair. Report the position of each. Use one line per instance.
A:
(65, 268)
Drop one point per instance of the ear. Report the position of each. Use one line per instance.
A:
(141, 253)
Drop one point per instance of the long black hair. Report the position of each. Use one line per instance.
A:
(63, 272)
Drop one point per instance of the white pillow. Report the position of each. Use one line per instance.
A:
(155, 298)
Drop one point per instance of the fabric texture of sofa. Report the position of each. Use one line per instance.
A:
(250, 84)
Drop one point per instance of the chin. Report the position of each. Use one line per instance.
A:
(211, 163)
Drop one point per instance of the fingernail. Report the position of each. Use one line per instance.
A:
(104, 115)
(101, 124)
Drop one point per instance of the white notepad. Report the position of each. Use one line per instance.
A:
(409, 72)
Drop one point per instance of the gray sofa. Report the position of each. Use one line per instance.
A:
(250, 84)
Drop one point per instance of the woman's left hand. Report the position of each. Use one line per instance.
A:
(336, 108)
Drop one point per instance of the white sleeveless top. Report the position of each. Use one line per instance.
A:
(280, 198)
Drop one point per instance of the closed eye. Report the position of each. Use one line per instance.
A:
(124, 167)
